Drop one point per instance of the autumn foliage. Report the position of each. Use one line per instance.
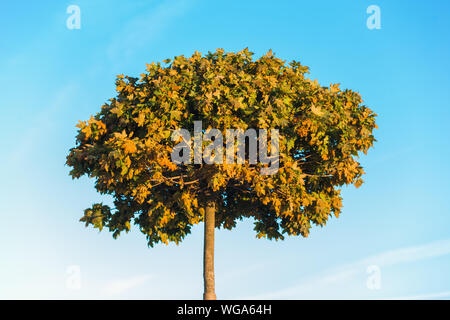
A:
(126, 147)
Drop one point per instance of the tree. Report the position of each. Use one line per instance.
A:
(127, 149)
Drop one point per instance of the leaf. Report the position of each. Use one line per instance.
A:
(129, 147)
(317, 111)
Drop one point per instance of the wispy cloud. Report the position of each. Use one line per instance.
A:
(42, 122)
(410, 254)
(343, 274)
(145, 28)
(230, 276)
(118, 287)
(435, 295)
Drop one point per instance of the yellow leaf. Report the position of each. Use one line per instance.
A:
(129, 147)
(317, 111)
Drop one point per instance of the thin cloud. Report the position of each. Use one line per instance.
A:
(344, 273)
(430, 296)
(231, 276)
(41, 123)
(409, 254)
(144, 29)
(120, 286)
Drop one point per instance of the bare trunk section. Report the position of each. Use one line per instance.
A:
(208, 252)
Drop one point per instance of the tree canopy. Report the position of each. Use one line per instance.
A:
(126, 147)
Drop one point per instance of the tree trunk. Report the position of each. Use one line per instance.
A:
(208, 252)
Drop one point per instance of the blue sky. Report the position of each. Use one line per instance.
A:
(398, 221)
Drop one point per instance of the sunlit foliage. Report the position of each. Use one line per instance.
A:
(126, 147)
